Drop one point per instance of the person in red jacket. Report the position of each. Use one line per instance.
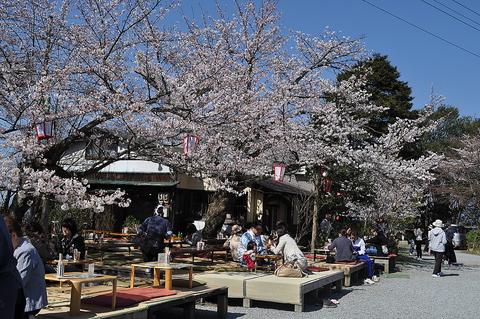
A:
(249, 255)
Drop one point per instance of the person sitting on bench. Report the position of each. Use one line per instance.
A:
(380, 241)
(343, 247)
(359, 247)
(288, 248)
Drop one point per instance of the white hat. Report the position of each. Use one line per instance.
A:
(158, 210)
(438, 223)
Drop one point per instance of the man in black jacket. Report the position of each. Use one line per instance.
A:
(12, 300)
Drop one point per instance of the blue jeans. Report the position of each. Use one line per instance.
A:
(370, 264)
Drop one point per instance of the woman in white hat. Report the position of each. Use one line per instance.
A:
(437, 239)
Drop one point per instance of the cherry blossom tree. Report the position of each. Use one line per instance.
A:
(252, 93)
(458, 179)
(70, 64)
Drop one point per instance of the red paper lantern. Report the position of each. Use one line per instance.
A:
(190, 143)
(279, 171)
(327, 185)
(44, 130)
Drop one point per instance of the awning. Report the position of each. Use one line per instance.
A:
(132, 183)
(281, 187)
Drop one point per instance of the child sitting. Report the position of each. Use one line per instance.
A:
(249, 255)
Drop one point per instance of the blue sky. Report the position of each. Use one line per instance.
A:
(422, 60)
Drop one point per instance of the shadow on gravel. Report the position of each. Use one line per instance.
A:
(340, 294)
(450, 275)
(177, 313)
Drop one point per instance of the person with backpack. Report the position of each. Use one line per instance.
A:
(153, 231)
(437, 239)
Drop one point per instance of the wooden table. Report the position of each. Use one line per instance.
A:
(104, 245)
(274, 258)
(76, 279)
(193, 251)
(68, 262)
(322, 251)
(167, 268)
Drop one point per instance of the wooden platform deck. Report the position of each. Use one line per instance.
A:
(185, 299)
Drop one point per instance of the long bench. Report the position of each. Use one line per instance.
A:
(352, 272)
(235, 281)
(150, 309)
(290, 290)
(264, 287)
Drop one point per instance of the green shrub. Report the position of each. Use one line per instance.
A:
(473, 239)
(131, 222)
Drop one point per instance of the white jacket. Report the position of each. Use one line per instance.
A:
(437, 239)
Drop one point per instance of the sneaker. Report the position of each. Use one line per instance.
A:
(376, 278)
(368, 281)
(440, 274)
(328, 304)
(436, 276)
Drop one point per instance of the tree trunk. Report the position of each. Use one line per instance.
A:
(216, 213)
(18, 208)
(314, 225)
(45, 213)
(6, 203)
(316, 210)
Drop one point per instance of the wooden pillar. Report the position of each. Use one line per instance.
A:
(316, 208)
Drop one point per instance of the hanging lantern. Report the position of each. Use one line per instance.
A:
(44, 130)
(279, 171)
(327, 185)
(190, 143)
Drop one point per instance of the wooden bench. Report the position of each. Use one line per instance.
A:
(219, 293)
(388, 262)
(150, 309)
(352, 272)
(289, 290)
(235, 281)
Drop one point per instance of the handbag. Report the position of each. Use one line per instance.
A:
(289, 270)
(330, 259)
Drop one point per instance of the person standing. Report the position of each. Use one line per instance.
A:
(12, 299)
(30, 267)
(437, 239)
(154, 230)
(418, 233)
(325, 228)
(449, 248)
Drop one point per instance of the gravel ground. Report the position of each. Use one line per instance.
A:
(411, 293)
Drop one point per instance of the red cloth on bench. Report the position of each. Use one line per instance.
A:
(130, 296)
(318, 269)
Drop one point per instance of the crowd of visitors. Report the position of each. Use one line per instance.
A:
(23, 259)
